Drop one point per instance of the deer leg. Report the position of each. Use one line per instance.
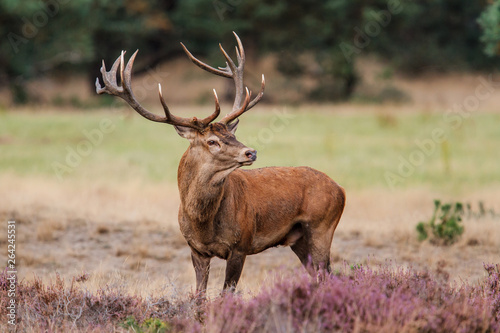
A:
(320, 250)
(301, 249)
(313, 251)
(202, 268)
(234, 267)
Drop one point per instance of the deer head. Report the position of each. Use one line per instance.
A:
(209, 141)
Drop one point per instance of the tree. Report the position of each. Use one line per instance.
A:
(288, 29)
(63, 35)
(314, 39)
(490, 23)
(432, 35)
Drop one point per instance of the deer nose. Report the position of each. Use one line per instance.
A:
(251, 154)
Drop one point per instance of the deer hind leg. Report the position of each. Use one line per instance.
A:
(313, 250)
(202, 269)
(234, 267)
(301, 249)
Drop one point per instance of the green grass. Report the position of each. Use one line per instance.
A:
(357, 149)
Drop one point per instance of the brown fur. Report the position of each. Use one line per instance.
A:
(230, 213)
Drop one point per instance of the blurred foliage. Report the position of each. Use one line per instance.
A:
(63, 36)
(490, 23)
(287, 29)
(312, 39)
(438, 35)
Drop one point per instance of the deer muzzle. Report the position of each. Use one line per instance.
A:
(249, 156)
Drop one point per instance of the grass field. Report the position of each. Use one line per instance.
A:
(95, 192)
(357, 148)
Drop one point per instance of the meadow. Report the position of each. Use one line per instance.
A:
(94, 197)
(338, 140)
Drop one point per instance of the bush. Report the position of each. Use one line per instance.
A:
(492, 287)
(448, 229)
(386, 299)
(149, 326)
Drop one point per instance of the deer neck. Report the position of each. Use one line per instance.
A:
(201, 187)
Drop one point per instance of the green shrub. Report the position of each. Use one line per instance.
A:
(444, 227)
(151, 325)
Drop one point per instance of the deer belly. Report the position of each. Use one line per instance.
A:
(285, 236)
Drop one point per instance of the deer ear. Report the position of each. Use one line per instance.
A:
(186, 132)
(231, 127)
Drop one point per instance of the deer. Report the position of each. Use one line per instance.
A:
(229, 212)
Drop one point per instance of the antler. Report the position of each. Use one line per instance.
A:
(124, 91)
(241, 104)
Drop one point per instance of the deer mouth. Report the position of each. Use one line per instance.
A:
(246, 163)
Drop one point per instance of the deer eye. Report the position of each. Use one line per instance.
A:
(212, 142)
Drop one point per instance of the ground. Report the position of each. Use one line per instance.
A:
(129, 233)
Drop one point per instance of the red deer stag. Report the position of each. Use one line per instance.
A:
(230, 213)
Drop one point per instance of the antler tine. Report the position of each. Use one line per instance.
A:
(235, 114)
(127, 77)
(259, 95)
(188, 122)
(238, 80)
(204, 66)
(230, 65)
(216, 113)
(170, 118)
(109, 79)
(240, 51)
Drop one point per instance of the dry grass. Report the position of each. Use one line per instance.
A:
(126, 234)
(48, 230)
(100, 203)
(382, 225)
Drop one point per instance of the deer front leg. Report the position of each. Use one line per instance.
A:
(202, 268)
(234, 266)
